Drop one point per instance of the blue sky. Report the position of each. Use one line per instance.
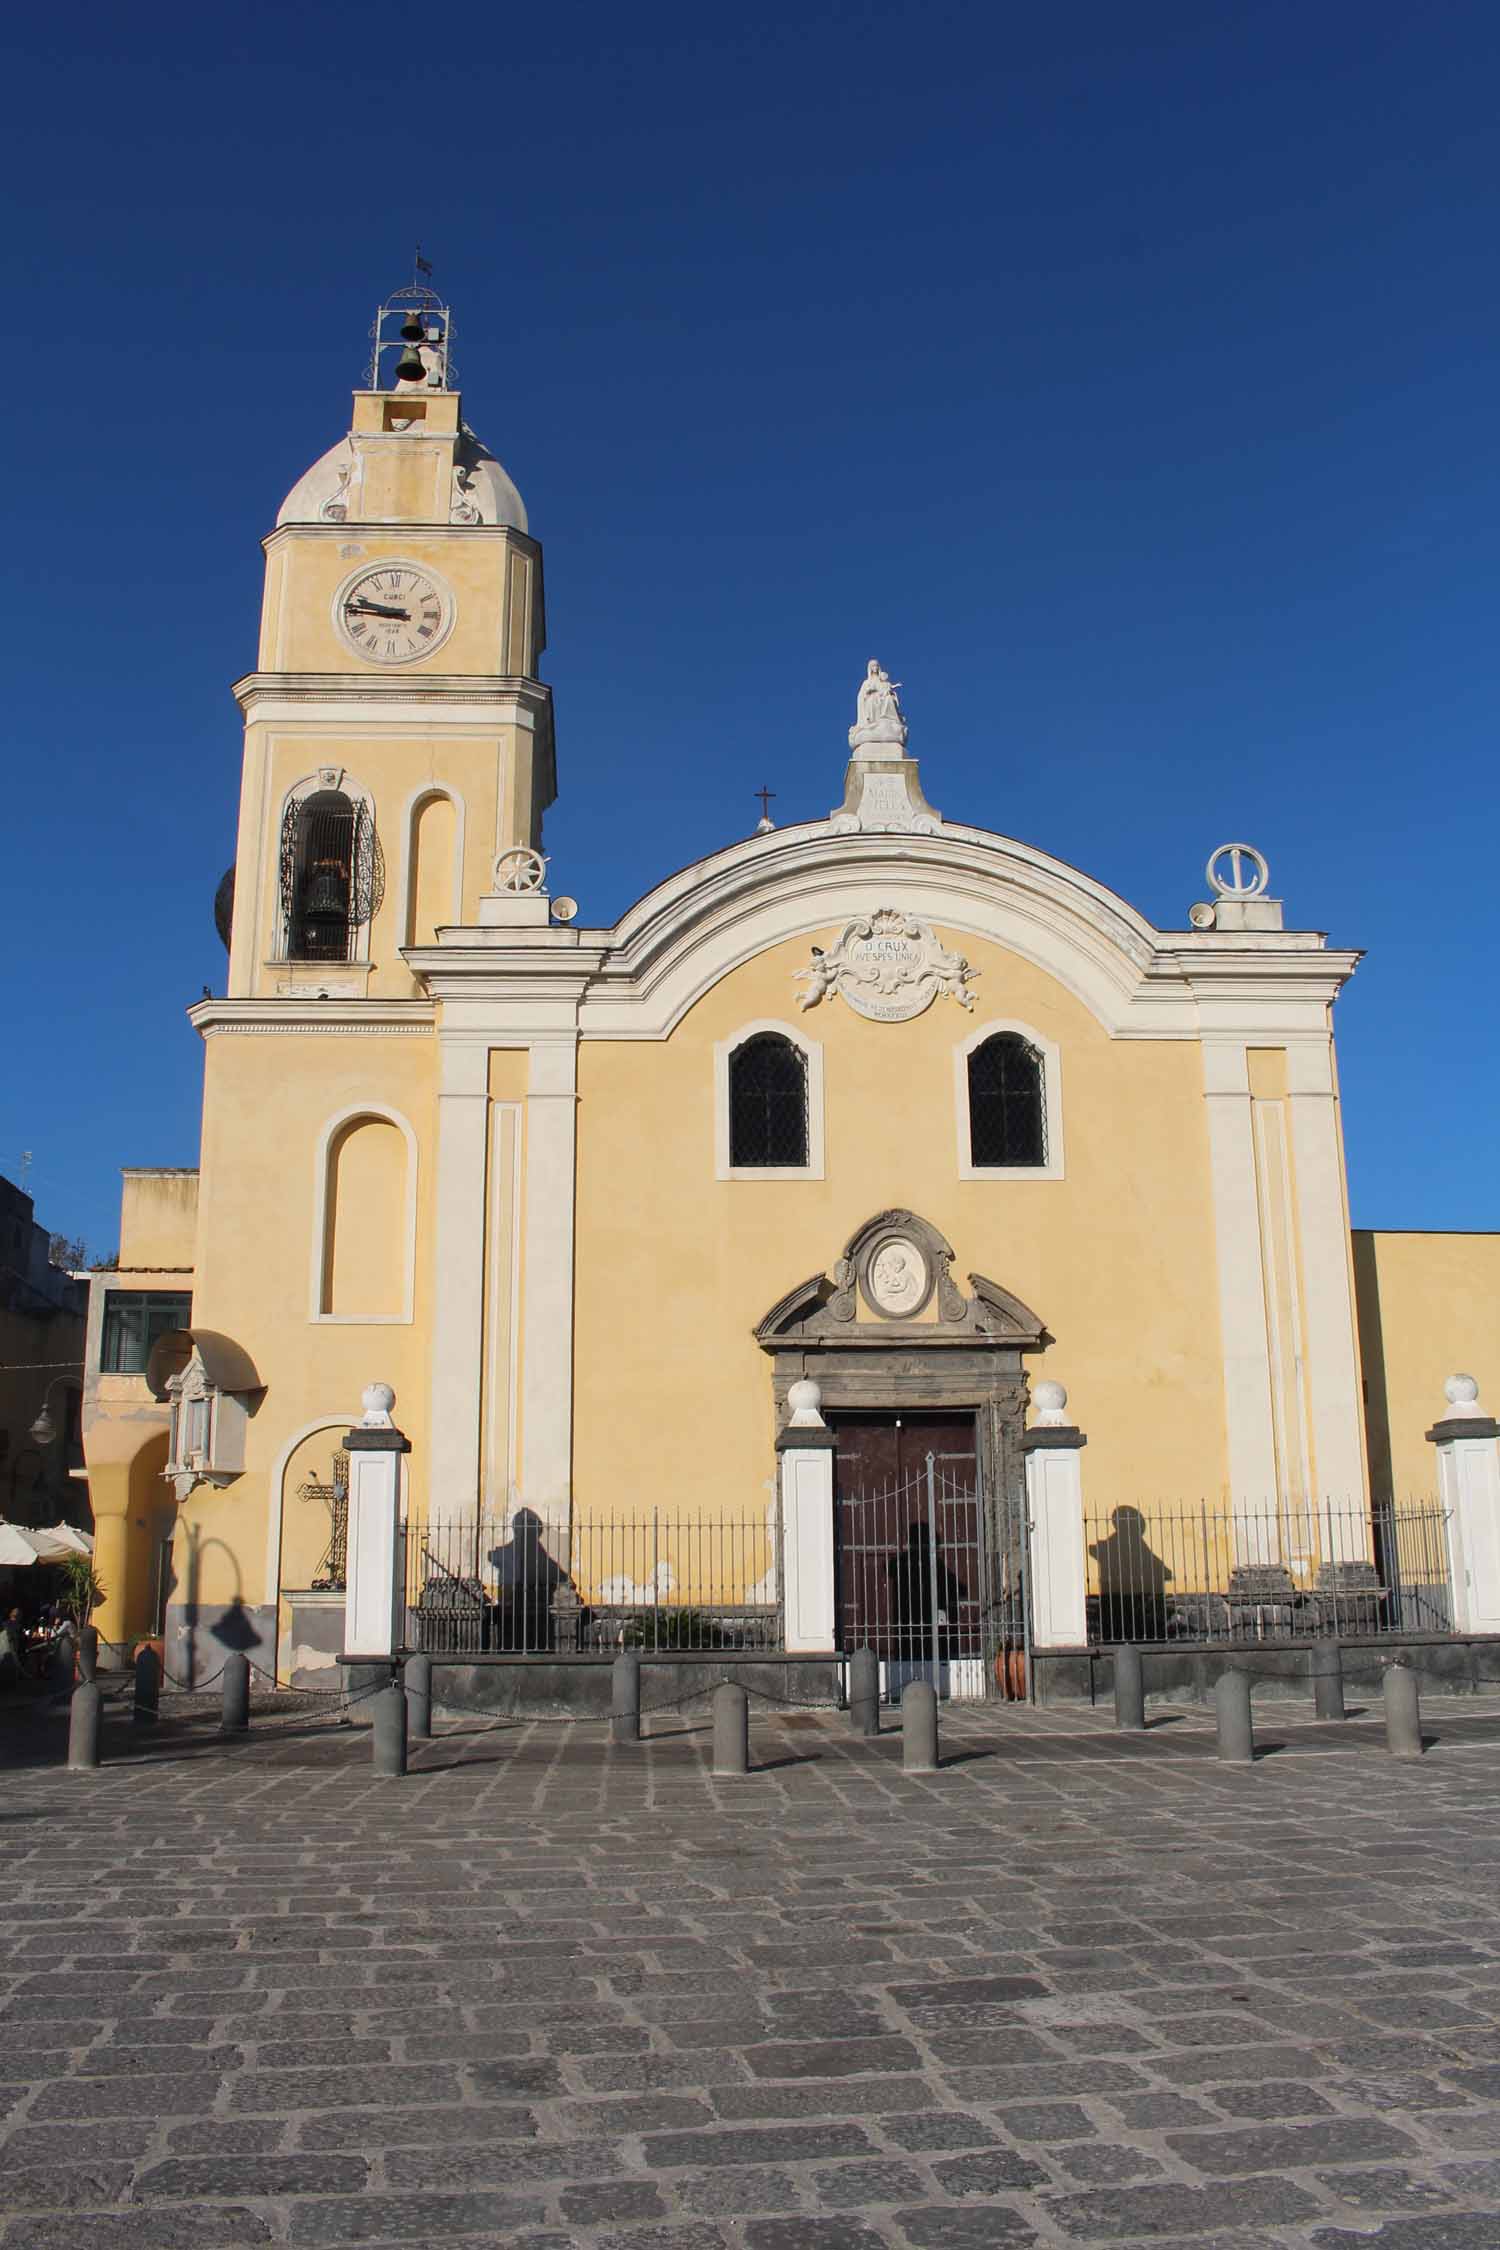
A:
(1124, 378)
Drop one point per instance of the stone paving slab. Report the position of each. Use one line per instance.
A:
(1074, 1989)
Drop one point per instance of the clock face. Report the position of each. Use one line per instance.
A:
(393, 612)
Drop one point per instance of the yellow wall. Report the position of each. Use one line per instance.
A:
(267, 1104)
(493, 634)
(158, 1219)
(674, 1268)
(479, 764)
(1428, 1307)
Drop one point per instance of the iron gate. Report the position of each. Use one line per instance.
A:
(936, 1590)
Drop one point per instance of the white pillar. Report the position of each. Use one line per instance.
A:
(1336, 1408)
(546, 1478)
(1468, 1455)
(458, 1279)
(806, 1447)
(1249, 1423)
(1054, 1505)
(375, 1592)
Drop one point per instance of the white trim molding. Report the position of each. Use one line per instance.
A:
(411, 813)
(1052, 1118)
(811, 1051)
(383, 1113)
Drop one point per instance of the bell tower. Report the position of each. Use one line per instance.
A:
(398, 739)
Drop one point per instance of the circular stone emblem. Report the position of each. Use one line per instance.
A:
(897, 1281)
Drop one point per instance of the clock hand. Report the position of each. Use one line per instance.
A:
(375, 609)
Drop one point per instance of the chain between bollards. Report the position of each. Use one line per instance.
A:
(1130, 1691)
(625, 1697)
(417, 1682)
(389, 1733)
(85, 1713)
(1234, 1727)
(919, 1727)
(731, 1731)
(1403, 1713)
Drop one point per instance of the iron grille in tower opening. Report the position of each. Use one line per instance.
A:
(1007, 1112)
(332, 875)
(768, 1104)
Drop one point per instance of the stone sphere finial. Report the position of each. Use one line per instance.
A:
(804, 1398)
(377, 1399)
(1050, 1401)
(1462, 1394)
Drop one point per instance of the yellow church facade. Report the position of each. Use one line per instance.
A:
(885, 1102)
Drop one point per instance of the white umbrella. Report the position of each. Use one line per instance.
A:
(70, 1540)
(19, 1547)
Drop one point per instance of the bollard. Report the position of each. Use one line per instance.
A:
(1403, 1713)
(88, 1653)
(64, 1656)
(919, 1727)
(417, 1680)
(85, 1711)
(1235, 1727)
(1130, 1690)
(235, 1712)
(390, 1731)
(625, 1697)
(1327, 1665)
(864, 1692)
(146, 1708)
(731, 1730)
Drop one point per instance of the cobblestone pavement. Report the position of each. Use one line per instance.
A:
(1073, 1989)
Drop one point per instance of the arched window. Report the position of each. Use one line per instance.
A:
(1007, 1104)
(332, 875)
(768, 1104)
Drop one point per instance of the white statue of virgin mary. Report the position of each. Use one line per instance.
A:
(877, 715)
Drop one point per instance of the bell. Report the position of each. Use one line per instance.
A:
(411, 328)
(409, 368)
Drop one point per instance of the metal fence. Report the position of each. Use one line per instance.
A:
(598, 1585)
(912, 1582)
(1165, 1572)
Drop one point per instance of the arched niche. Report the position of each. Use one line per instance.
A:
(432, 880)
(364, 1235)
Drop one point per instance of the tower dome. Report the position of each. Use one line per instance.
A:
(483, 492)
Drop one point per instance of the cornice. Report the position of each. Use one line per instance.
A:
(394, 529)
(478, 690)
(281, 1017)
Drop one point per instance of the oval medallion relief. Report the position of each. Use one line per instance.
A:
(897, 1279)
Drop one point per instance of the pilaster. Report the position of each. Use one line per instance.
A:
(806, 1449)
(547, 1303)
(375, 1591)
(1054, 1504)
(1468, 1457)
(458, 1275)
(1249, 1422)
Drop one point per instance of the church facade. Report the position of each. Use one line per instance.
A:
(885, 1101)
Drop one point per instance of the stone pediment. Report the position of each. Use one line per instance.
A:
(881, 1293)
